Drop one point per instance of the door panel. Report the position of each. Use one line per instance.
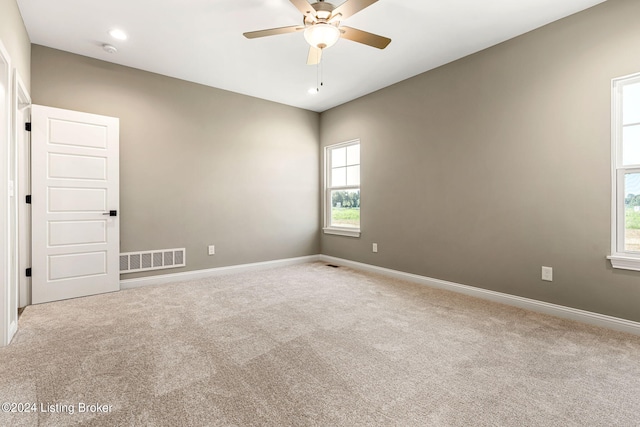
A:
(77, 167)
(63, 233)
(77, 265)
(76, 243)
(65, 199)
(64, 132)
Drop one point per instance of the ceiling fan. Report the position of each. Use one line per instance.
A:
(322, 29)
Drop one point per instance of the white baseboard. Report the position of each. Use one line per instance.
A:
(212, 272)
(583, 316)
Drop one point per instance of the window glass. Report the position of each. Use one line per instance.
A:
(631, 145)
(353, 154)
(353, 175)
(338, 177)
(631, 104)
(339, 157)
(345, 208)
(632, 212)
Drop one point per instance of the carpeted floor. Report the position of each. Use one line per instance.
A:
(311, 345)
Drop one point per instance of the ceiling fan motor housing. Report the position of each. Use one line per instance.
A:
(323, 12)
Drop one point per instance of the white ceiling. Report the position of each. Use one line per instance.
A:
(201, 40)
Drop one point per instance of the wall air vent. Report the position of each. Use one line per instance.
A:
(132, 262)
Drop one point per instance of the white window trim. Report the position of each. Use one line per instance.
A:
(328, 229)
(619, 257)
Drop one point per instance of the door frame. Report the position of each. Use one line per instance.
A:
(22, 139)
(8, 322)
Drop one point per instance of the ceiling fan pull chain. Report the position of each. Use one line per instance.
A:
(320, 78)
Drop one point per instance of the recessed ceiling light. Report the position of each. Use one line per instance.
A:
(118, 34)
(313, 91)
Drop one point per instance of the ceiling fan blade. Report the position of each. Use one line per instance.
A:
(351, 7)
(304, 7)
(273, 32)
(363, 37)
(315, 55)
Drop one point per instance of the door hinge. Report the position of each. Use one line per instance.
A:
(27, 126)
(28, 272)
(28, 199)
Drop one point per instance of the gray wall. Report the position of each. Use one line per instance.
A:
(14, 36)
(198, 165)
(484, 170)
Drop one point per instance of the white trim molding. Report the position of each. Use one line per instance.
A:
(328, 188)
(622, 256)
(8, 318)
(582, 316)
(213, 272)
(341, 232)
(22, 138)
(624, 262)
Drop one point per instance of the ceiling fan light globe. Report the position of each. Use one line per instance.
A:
(322, 35)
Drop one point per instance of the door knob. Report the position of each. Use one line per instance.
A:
(111, 213)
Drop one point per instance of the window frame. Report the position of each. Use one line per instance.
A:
(328, 228)
(620, 257)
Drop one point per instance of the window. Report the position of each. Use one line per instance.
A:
(625, 246)
(342, 189)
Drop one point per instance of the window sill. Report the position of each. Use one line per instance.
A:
(625, 262)
(342, 232)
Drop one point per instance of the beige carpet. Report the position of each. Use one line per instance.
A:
(311, 345)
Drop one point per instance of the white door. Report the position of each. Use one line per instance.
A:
(74, 204)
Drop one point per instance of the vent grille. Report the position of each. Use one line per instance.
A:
(132, 262)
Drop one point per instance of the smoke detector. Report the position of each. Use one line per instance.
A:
(109, 48)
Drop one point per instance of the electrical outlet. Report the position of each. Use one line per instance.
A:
(212, 250)
(547, 274)
(375, 248)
